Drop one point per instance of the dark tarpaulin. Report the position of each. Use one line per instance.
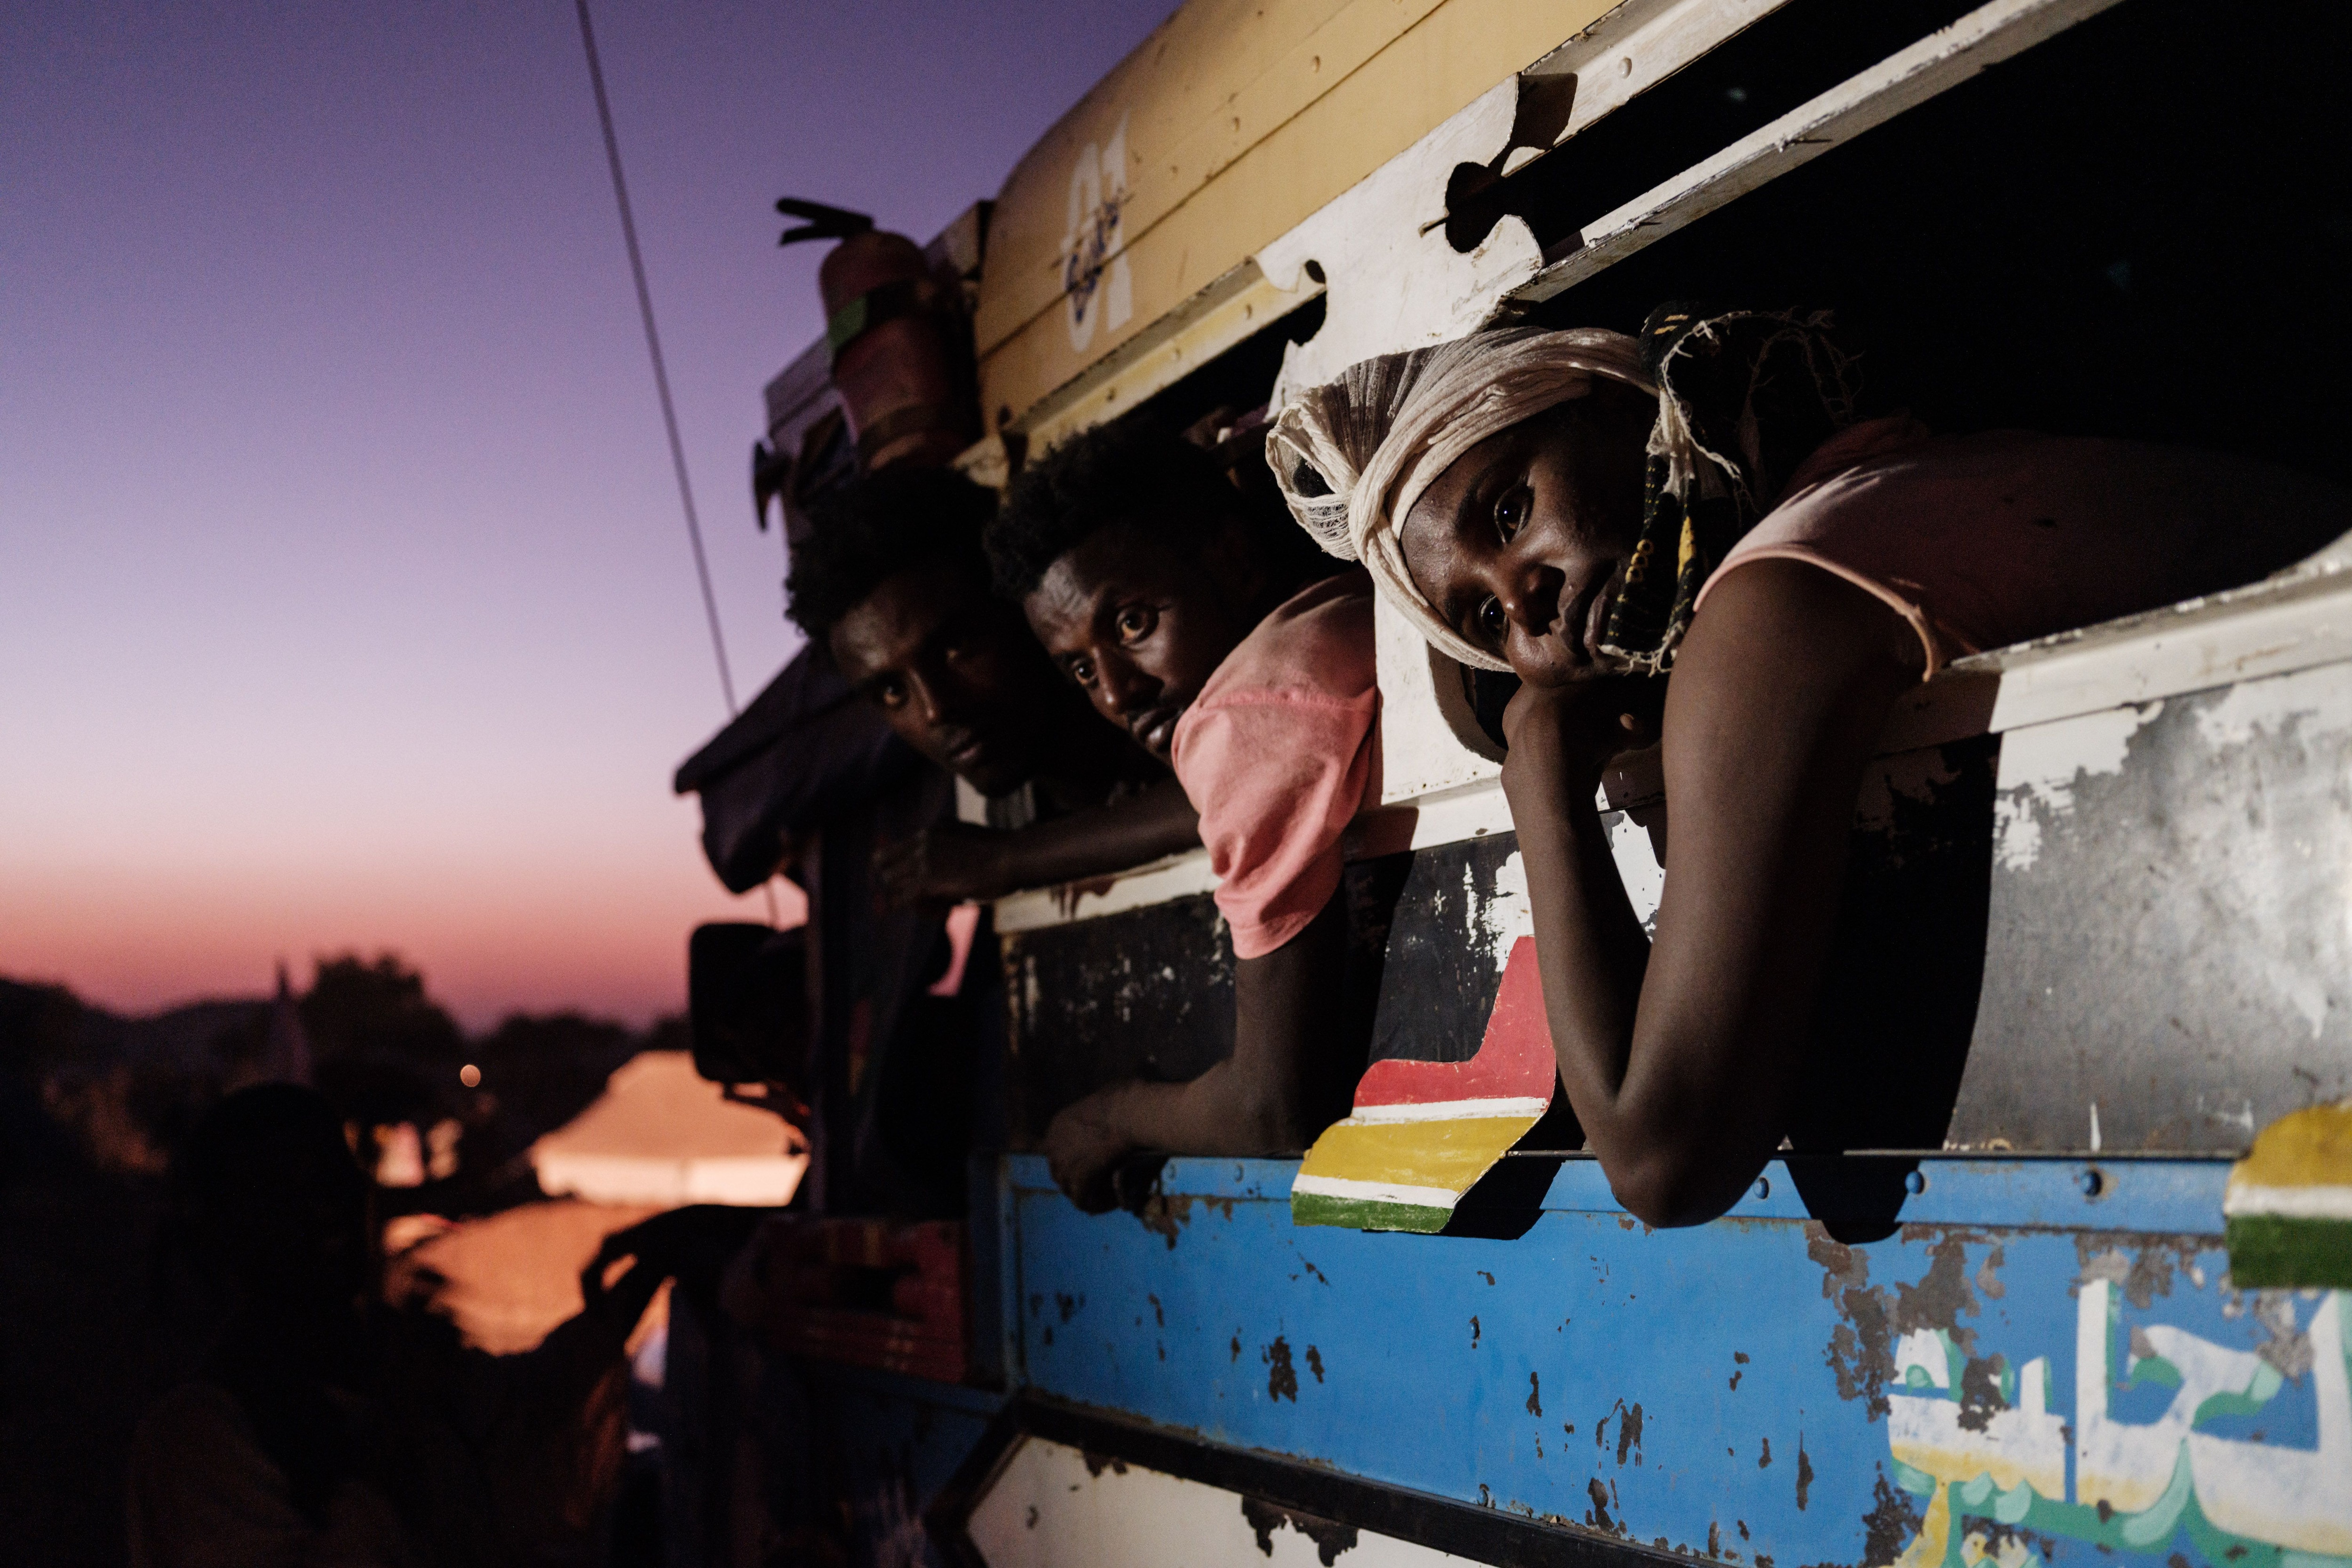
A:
(803, 752)
(808, 780)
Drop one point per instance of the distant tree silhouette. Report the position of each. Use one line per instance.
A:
(378, 1009)
(386, 1053)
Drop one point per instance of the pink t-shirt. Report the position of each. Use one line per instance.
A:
(1278, 753)
(1987, 540)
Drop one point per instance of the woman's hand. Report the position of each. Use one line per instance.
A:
(1084, 1147)
(1567, 735)
(949, 863)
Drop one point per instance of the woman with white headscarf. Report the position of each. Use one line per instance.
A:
(1592, 512)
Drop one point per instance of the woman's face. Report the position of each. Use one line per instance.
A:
(1522, 544)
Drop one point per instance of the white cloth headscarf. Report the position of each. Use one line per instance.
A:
(1353, 456)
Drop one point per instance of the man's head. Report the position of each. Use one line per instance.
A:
(892, 578)
(1136, 563)
(1521, 544)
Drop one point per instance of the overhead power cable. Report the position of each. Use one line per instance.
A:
(653, 347)
(661, 385)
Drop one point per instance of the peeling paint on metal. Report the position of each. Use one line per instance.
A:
(1599, 1517)
(2039, 765)
(1629, 1432)
(1860, 1354)
(1890, 1526)
(1331, 1539)
(1281, 1378)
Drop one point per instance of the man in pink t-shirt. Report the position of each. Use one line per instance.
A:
(1199, 630)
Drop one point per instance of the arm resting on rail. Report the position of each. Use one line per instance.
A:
(1289, 1075)
(1680, 1054)
(957, 861)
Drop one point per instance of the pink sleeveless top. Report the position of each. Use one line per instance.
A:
(1987, 540)
(1278, 753)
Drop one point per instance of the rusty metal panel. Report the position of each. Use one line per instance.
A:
(2170, 957)
(2044, 1363)
(1144, 993)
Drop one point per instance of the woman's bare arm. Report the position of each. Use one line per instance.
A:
(955, 861)
(1680, 1060)
(1289, 1075)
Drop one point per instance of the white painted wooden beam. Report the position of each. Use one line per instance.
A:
(1936, 64)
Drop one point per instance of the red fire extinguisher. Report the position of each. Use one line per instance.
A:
(899, 342)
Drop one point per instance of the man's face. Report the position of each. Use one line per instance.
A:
(956, 675)
(1521, 544)
(1141, 625)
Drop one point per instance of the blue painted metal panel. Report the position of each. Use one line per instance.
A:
(2180, 1196)
(1750, 1390)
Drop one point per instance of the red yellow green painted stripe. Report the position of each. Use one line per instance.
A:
(1422, 1132)
(2287, 1211)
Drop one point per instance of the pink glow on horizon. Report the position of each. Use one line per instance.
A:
(605, 944)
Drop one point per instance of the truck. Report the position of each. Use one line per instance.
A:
(2061, 1275)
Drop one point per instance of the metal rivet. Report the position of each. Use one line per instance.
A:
(2093, 1183)
(1763, 1186)
(1915, 1183)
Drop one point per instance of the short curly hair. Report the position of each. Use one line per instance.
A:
(871, 529)
(1122, 472)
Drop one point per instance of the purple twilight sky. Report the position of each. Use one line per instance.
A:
(344, 599)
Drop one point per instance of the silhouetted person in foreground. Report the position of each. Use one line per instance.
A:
(326, 1428)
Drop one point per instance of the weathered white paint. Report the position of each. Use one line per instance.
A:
(2307, 705)
(1496, 924)
(1178, 877)
(1391, 281)
(1637, 865)
(2289, 1203)
(1360, 1192)
(2300, 1499)
(2283, 623)
(1457, 1109)
(1426, 726)
(1050, 1507)
(2023, 1445)
(2301, 719)
(1633, 48)
(1094, 239)
(2143, 1475)
(2040, 766)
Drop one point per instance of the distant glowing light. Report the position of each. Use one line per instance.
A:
(470, 1076)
